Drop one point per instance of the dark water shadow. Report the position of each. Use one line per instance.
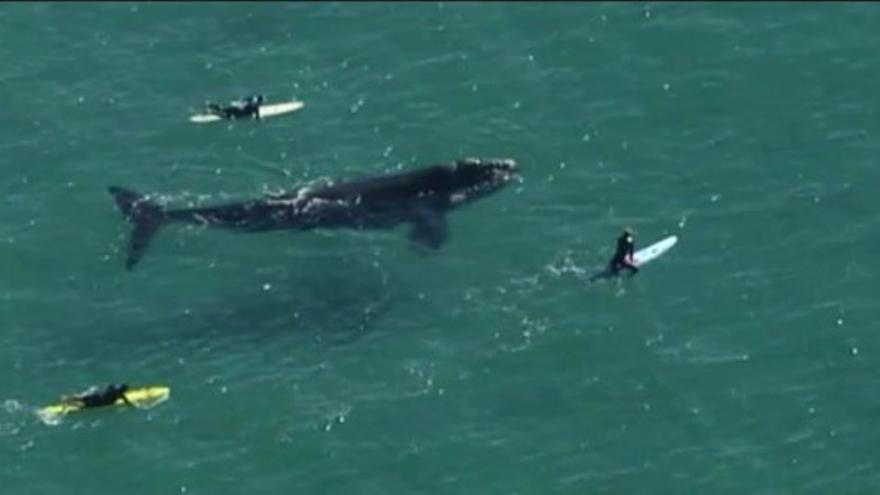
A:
(337, 302)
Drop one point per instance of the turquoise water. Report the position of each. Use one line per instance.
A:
(744, 361)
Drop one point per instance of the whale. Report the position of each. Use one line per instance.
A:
(420, 198)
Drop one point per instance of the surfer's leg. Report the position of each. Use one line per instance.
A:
(614, 268)
(236, 112)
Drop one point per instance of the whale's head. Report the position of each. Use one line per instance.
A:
(474, 178)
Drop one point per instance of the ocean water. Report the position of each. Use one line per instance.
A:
(339, 362)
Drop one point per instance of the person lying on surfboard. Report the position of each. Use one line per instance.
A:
(95, 397)
(623, 257)
(244, 107)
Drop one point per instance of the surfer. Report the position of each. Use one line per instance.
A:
(95, 397)
(623, 257)
(244, 107)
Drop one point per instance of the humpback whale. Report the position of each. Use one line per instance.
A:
(419, 197)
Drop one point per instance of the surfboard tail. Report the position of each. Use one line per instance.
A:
(146, 216)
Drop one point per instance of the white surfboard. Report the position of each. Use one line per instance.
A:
(279, 108)
(642, 256)
(652, 252)
(269, 110)
(204, 117)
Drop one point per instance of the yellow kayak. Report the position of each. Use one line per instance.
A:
(144, 397)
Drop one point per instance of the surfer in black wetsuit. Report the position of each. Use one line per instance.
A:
(95, 397)
(244, 107)
(623, 257)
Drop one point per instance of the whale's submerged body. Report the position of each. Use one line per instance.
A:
(418, 197)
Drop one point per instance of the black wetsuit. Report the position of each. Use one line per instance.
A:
(105, 397)
(625, 249)
(246, 107)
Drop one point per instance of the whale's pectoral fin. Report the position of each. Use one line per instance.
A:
(429, 228)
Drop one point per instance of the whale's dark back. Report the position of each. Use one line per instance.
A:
(420, 197)
(393, 187)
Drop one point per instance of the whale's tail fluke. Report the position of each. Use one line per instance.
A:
(145, 215)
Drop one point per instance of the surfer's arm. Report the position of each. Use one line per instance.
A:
(629, 259)
(630, 252)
